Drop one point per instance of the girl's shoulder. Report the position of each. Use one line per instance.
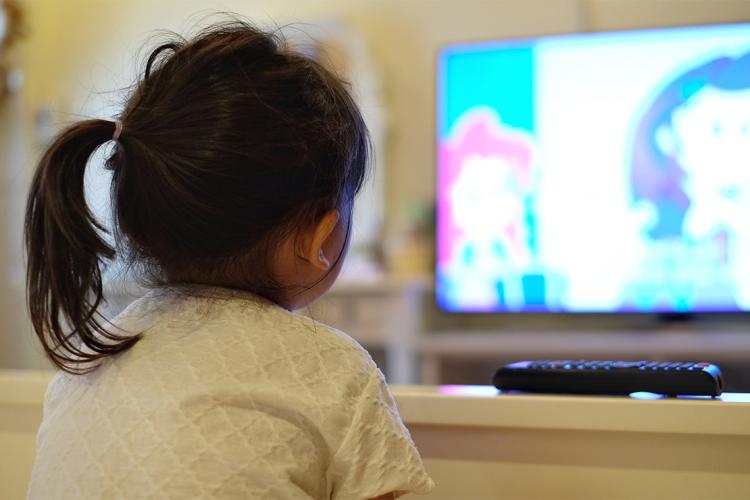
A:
(241, 332)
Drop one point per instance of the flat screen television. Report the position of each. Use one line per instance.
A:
(595, 173)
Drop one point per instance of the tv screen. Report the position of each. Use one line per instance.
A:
(605, 172)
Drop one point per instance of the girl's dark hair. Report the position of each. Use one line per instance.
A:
(228, 142)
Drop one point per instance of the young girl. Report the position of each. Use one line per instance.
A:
(234, 167)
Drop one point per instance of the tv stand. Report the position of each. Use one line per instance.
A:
(398, 318)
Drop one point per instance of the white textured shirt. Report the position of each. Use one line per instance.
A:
(225, 396)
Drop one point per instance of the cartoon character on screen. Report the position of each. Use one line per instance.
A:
(691, 161)
(488, 196)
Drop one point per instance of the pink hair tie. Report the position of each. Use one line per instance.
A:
(118, 131)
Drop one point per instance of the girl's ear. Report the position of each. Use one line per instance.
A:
(311, 244)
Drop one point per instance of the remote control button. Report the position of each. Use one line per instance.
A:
(521, 365)
(626, 364)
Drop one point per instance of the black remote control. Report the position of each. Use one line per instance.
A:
(610, 377)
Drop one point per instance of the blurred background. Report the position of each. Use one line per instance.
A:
(64, 60)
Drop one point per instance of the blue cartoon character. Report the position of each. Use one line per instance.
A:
(691, 164)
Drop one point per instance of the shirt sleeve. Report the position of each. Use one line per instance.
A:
(377, 455)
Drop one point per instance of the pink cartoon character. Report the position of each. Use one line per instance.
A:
(485, 184)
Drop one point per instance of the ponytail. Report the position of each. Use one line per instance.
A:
(65, 248)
